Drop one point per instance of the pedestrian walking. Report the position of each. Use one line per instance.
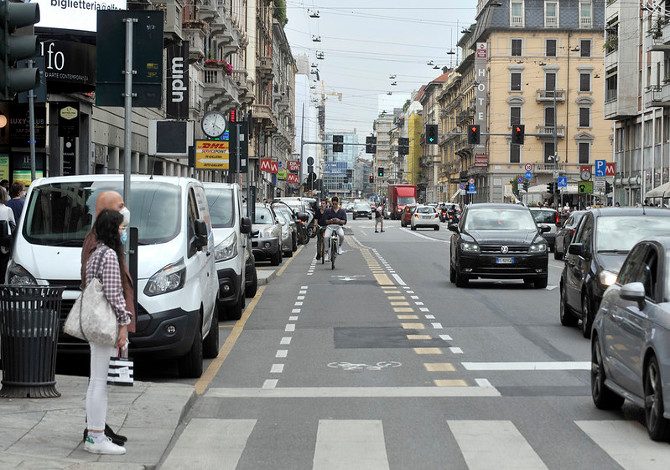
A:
(7, 228)
(105, 265)
(379, 217)
(17, 200)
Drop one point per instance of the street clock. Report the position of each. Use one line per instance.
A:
(214, 124)
(585, 175)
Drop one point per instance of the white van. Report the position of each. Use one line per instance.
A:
(231, 236)
(176, 287)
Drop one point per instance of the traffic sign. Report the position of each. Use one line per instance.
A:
(519, 179)
(528, 167)
(585, 187)
(611, 169)
(528, 175)
(601, 168)
(600, 184)
(471, 181)
(562, 182)
(310, 160)
(461, 185)
(472, 189)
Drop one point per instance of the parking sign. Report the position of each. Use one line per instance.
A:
(601, 167)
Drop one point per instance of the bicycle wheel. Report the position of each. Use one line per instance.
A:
(333, 252)
(322, 250)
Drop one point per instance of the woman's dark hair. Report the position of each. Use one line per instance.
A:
(106, 230)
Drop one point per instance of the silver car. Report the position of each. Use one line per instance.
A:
(425, 216)
(547, 217)
(266, 235)
(630, 345)
(286, 233)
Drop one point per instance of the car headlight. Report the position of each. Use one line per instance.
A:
(168, 279)
(470, 247)
(227, 249)
(267, 232)
(538, 248)
(17, 275)
(606, 278)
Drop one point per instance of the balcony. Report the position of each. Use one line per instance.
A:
(585, 22)
(544, 96)
(657, 96)
(516, 22)
(462, 148)
(208, 10)
(229, 34)
(220, 91)
(195, 35)
(263, 112)
(172, 30)
(245, 87)
(550, 22)
(547, 132)
(264, 67)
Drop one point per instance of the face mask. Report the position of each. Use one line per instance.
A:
(124, 236)
(126, 215)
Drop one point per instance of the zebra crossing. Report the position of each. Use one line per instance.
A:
(362, 444)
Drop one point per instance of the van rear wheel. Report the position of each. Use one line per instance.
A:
(252, 287)
(190, 365)
(210, 346)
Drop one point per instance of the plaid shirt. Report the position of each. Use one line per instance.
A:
(104, 265)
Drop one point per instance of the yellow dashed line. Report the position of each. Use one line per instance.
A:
(396, 297)
(403, 309)
(400, 304)
(413, 326)
(439, 367)
(383, 280)
(408, 317)
(418, 337)
(450, 383)
(427, 351)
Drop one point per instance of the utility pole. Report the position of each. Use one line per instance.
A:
(31, 119)
(128, 114)
(555, 173)
(302, 142)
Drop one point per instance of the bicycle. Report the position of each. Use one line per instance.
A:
(334, 245)
(321, 245)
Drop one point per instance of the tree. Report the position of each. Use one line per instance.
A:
(280, 12)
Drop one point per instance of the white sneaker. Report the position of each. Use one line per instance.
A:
(104, 446)
(326, 257)
(340, 251)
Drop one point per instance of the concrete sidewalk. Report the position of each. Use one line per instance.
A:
(265, 274)
(47, 433)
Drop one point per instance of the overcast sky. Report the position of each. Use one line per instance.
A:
(366, 41)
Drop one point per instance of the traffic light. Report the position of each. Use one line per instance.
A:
(431, 134)
(14, 47)
(403, 146)
(380, 171)
(518, 134)
(370, 144)
(550, 188)
(372, 179)
(337, 143)
(474, 134)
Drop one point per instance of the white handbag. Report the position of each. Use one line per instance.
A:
(92, 317)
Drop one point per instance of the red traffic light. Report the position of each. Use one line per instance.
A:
(474, 134)
(518, 134)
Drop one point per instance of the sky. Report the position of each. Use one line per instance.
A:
(366, 41)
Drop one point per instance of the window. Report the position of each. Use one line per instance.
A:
(551, 48)
(516, 14)
(584, 152)
(585, 48)
(611, 86)
(549, 152)
(549, 116)
(550, 81)
(514, 115)
(514, 153)
(551, 14)
(585, 81)
(585, 14)
(516, 47)
(515, 79)
(584, 117)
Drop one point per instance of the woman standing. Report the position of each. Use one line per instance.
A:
(104, 264)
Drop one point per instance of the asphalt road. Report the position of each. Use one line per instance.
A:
(382, 363)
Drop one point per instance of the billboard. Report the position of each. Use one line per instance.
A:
(176, 96)
(212, 155)
(336, 169)
(79, 15)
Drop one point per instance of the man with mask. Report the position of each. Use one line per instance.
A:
(113, 201)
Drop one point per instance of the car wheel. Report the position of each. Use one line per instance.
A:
(251, 288)
(210, 346)
(437, 228)
(235, 312)
(657, 426)
(452, 274)
(353, 217)
(566, 315)
(295, 244)
(369, 217)
(587, 316)
(540, 282)
(288, 253)
(557, 255)
(190, 365)
(603, 397)
(413, 227)
(461, 279)
(276, 258)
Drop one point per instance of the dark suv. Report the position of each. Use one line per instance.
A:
(498, 241)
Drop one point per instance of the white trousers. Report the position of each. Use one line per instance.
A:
(329, 231)
(96, 395)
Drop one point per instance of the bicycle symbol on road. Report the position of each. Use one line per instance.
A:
(359, 367)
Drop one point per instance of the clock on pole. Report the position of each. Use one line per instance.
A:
(214, 124)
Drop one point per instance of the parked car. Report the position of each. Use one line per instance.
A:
(546, 217)
(266, 236)
(287, 235)
(176, 284)
(498, 241)
(362, 209)
(291, 220)
(630, 346)
(231, 229)
(603, 239)
(425, 216)
(406, 216)
(566, 233)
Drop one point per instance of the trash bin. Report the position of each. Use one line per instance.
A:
(29, 323)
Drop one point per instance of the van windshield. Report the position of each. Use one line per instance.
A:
(61, 214)
(221, 208)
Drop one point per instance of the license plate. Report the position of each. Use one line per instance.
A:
(504, 260)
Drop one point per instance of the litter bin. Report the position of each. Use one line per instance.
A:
(29, 323)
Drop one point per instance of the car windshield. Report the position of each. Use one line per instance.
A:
(499, 219)
(285, 212)
(544, 216)
(362, 207)
(221, 207)
(621, 233)
(263, 216)
(61, 214)
(406, 200)
(425, 210)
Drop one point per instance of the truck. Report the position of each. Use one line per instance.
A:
(400, 195)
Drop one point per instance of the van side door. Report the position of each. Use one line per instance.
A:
(209, 273)
(198, 260)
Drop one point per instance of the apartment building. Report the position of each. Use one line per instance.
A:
(429, 164)
(382, 159)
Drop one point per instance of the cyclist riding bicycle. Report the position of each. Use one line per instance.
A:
(320, 222)
(335, 218)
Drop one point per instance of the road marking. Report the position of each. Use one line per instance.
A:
(437, 326)
(483, 383)
(445, 337)
(413, 326)
(439, 367)
(302, 292)
(455, 350)
(391, 292)
(290, 327)
(424, 309)
(428, 351)
(293, 318)
(203, 382)
(383, 280)
(430, 317)
(564, 365)
(628, 443)
(298, 304)
(277, 368)
(281, 353)
(350, 444)
(352, 392)
(415, 297)
(270, 383)
(300, 297)
(450, 383)
(419, 303)
(494, 444)
(418, 337)
(411, 232)
(399, 279)
(304, 287)
(407, 317)
(403, 309)
(396, 297)
(295, 310)
(411, 292)
(210, 443)
(400, 304)
(285, 340)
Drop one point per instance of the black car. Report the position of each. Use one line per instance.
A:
(362, 209)
(498, 241)
(566, 233)
(603, 239)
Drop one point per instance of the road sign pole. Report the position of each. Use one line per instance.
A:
(128, 113)
(31, 119)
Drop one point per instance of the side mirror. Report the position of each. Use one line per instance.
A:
(634, 292)
(544, 228)
(576, 249)
(201, 235)
(453, 227)
(245, 225)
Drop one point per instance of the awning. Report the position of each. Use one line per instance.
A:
(662, 191)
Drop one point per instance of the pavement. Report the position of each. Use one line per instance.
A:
(265, 274)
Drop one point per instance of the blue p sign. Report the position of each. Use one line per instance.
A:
(601, 167)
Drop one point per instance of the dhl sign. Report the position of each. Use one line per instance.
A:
(212, 155)
(269, 166)
(293, 178)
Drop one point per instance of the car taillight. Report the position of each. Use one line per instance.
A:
(436, 216)
(558, 218)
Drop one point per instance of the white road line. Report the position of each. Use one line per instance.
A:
(290, 327)
(456, 350)
(562, 365)
(437, 326)
(295, 310)
(415, 297)
(410, 292)
(494, 444)
(300, 297)
(304, 287)
(418, 303)
(298, 304)
(424, 309)
(199, 445)
(430, 317)
(293, 318)
(352, 392)
(628, 443)
(285, 340)
(270, 383)
(427, 238)
(277, 368)
(350, 444)
(445, 337)
(483, 383)
(282, 353)
(302, 292)
(399, 279)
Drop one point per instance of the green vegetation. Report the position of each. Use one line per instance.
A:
(280, 12)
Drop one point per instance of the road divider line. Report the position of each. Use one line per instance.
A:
(281, 353)
(277, 368)
(399, 279)
(555, 365)
(285, 340)
(352, 392)
(270, 383)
